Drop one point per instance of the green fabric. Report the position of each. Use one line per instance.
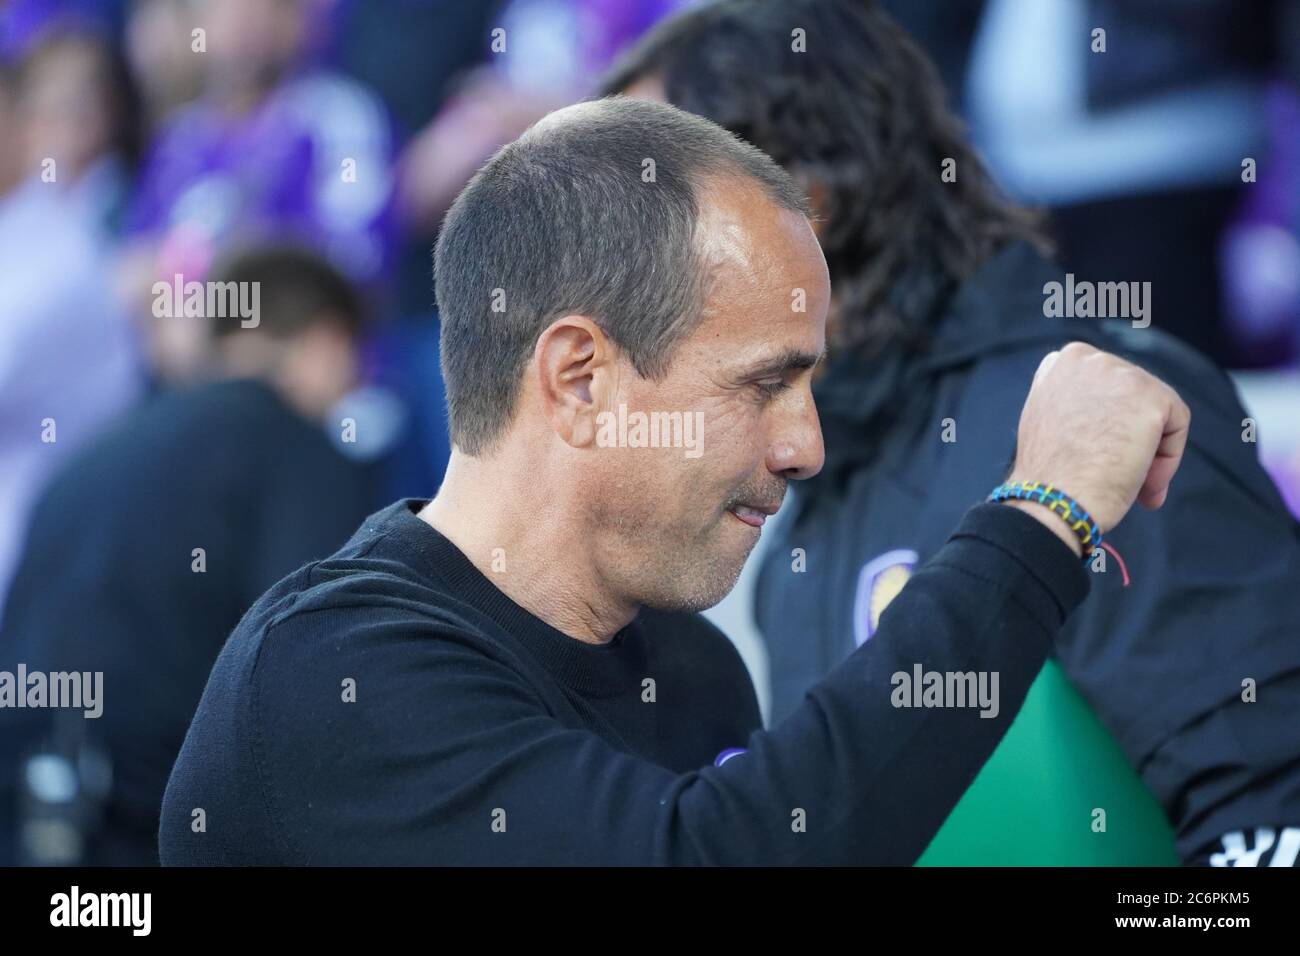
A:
(1032, 803)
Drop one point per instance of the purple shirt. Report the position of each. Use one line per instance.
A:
(312, 164)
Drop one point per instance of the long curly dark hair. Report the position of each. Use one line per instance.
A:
(861, 115)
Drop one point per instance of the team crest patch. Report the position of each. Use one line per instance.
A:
(879, 582)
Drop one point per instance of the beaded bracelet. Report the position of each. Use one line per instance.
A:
(1060, 503)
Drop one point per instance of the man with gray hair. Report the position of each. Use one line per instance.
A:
(513, 672)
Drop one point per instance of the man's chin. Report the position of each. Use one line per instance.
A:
(699, 589)
(687, 603)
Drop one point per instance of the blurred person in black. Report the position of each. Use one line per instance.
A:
(147, 548)
(939, 317)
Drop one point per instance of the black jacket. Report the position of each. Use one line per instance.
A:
(108, 582)
(1213, 594)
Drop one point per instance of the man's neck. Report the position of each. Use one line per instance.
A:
(514, 527)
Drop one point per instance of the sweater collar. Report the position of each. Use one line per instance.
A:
(593, 670)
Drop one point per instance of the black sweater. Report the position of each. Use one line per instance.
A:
(481, 735)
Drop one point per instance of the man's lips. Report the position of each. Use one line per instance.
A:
(753, 516)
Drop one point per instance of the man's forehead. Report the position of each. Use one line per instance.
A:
(739, 223)
(747, 244)
(760, 338)
(764, 286)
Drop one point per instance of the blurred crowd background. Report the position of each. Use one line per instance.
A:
(144, 139)
(133, 149)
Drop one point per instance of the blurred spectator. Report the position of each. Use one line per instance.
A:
(1137, 149)
(547, 54)
(147, 548)
(271, 148)
(163, 64)
(413, 69)
(67, 359)
(80, 113)
(411, 66)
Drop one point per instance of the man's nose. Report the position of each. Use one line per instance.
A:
(796, 450)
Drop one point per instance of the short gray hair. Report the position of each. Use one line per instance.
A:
(567, 220)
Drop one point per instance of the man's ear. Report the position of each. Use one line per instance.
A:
(576, 368)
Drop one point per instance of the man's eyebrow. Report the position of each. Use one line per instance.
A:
(789, 360)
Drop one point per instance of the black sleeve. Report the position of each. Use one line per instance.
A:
(1204, 603)
(1236, 776)
(476, 771)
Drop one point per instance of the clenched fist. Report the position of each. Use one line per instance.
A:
(1103, 431)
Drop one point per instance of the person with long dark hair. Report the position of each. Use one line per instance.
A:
(944, 302)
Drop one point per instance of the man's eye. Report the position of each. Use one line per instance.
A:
(771, 388)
